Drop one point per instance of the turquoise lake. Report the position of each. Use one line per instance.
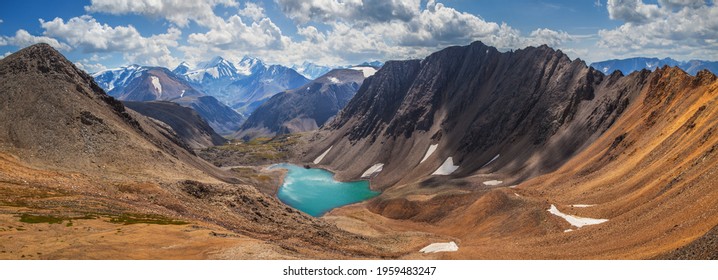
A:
(314, 191)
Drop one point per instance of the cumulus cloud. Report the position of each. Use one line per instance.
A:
(234, 33)
(90, 67)
(549, 37)
(304, 11)
(90, 36)
(253, 11)
(634, 11)
(673, 27)
(405, 30)
(678, 4)
(1, 21)
(23, 39)
(179, 12)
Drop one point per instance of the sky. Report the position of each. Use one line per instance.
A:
(101, 34)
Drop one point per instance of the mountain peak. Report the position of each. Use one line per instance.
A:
(44, 57)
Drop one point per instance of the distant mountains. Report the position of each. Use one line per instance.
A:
(307, 107)
(630, 65)
(242, 86)
(313, 71)
(143, 83)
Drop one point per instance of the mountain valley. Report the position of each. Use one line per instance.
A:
(523, 154)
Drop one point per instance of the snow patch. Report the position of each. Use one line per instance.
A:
(574, 220)
(182, 94)
(440, 247)
(583, 205)
(321, 157)
(367, 71)
(431, 150)
(568, 230)
(447, 168)
(157, 85)
(334, 80)
(374, 169)
(493, 182)
(492, 160)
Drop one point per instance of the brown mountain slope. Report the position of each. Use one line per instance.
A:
(652, 174)
(54, 115)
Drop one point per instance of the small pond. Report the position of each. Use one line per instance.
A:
(314, 191)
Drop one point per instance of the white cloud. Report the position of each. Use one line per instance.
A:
(685, 32)
(90, 67)
(252, 11)
(304, 11)
(549, 37)
(23, 39)
(88, 35)
(179, 12)
(5, 55)
(234, 33)
(405, 30)
(634, 11)
(1, 21)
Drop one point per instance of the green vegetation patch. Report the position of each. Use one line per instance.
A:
(129, 219)
(39, 219)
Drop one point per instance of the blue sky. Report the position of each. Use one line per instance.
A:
(101, 34)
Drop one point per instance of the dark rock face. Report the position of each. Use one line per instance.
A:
(534, 107)
(188, 125)
(305, 108)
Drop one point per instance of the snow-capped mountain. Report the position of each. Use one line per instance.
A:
(216, 69)
(145, 83)
(638, 63)
(375, 63)
(182, 68)
(119, 77)
(304, 108)
(252, 91)
(311, 70)
(242, 84)
(248, 65)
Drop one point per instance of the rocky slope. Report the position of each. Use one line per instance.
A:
(190, 127)
(515, 115)
(534, 137)
(305, 108)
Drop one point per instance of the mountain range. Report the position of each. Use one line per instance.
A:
(630, 65)
(305, 108)
(143, 83)
(482, 143)
(525, 154)
(243, 86)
